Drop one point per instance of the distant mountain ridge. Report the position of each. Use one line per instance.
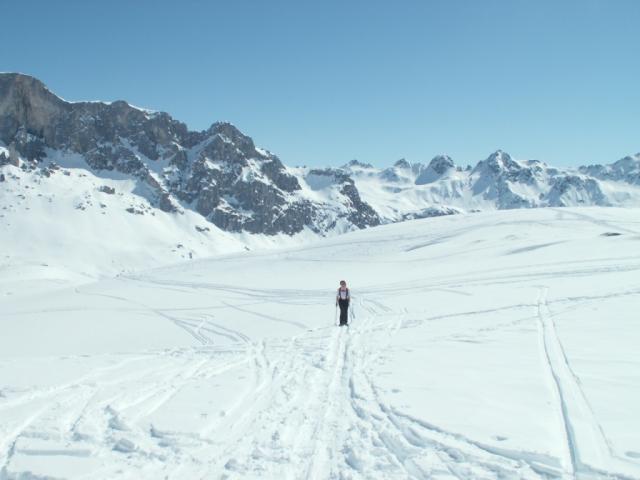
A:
(498, 182)
(222, 176)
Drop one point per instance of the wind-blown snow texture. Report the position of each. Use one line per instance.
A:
(219, 178)
(490, 345)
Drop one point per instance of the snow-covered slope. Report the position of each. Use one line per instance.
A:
(64, 225)
(489, 345)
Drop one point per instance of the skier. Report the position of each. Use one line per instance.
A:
(342, 300)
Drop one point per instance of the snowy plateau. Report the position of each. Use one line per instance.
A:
(481, 346)
(167, 308)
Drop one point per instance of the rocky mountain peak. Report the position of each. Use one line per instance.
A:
(25, 103)
(357, 163)
(24, 87)
(501, 158)
(496, 164)
(219, 172)
(626, 170)
(628, 164)
(402, 163)
(441, 163)
(437, 168)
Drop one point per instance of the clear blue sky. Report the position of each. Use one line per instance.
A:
(320, 83)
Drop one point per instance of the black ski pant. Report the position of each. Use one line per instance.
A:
(344, 308)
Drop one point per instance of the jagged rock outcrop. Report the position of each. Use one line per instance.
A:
(358, 212)
(218, 172)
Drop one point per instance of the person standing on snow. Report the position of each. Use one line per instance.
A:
(342, 300)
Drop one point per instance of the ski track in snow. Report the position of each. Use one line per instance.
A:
(306, 428)
(307, 406)
(296, 425)
(584, 436)
(335, 368)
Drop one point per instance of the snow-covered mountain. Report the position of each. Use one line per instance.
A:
(626, 170)
(499, 182)
(218, 173)
(218, 177)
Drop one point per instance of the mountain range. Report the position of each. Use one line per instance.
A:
(154, 165)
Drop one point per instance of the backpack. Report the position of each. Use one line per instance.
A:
(348, 296)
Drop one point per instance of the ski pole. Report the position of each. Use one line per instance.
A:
(335, 322)
(352, 311)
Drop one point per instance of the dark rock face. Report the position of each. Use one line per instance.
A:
(275, 171)
(361, 215)
(218, 172)
(357, 212)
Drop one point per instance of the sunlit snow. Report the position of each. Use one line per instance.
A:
(488, 345)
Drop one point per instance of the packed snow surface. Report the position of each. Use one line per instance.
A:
(481, 346)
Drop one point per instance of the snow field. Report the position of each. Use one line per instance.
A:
(482, 346)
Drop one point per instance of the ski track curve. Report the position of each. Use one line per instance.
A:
(309, 410)
(321, 416)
